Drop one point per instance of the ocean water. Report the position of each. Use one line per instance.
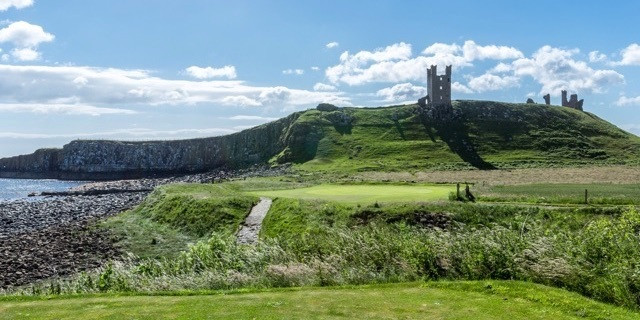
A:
(11, 189)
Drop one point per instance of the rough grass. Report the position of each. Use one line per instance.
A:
(589, 174)
(198, 209)
(364, 193)
(436, 300)
(146, 238)
(610, 194)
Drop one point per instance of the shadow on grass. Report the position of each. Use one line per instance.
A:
(456, 135)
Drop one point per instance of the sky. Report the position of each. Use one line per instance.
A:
(150, 70)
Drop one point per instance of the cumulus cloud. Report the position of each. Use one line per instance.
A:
(332, 45)
(25, 54)
(556, 69)
(24, 35)
(323, 87)
(18, 4)
(471, 52)
(630, 56)
(596, 56)
(401, 92)
(389, 64)
(396, 63)
(626, 101)
(491, 82)
(293, 71)
(458, 87)
(110, 87)
(228, 72)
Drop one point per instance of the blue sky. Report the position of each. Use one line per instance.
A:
(142, 70)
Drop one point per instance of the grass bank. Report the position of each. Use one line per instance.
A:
(437, 300)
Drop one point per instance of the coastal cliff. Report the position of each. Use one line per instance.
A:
(103, 159)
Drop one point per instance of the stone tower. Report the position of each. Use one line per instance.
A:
(572, 102)
(439, 87)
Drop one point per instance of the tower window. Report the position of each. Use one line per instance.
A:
(440, 87)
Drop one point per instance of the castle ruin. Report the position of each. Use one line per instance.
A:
(572, 102)
(437, 103)
(439, 87)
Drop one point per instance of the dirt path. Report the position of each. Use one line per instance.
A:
(250, 229)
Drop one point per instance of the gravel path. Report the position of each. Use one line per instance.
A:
(250, 229)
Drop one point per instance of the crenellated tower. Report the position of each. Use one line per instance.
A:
(439, 86)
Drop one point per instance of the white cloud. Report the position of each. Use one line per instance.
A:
(314, 68)
(331, 45)
(556, 70)
(72, 109)
(18, 4)
(490, 82)
(293, 71)
(471, 52)
(252, 118)
(596, 56)
(323, 87)
(395, 63)
(458, 87)
(228, 72)
(110, 87)
(630, 56)
(401, 92)
(240, 101)
(25, 54)
(625, 101)
(24, 35)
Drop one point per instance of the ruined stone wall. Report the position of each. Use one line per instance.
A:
(101, 159)
(439, 86)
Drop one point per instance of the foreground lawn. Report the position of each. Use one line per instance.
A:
(364, 193)
(438, 300)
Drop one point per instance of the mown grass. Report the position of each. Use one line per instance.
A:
(364, 193)
(434, 300)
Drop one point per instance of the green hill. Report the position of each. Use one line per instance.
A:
(485, 134)
(481, 134)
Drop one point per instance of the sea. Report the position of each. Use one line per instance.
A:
(13, 189)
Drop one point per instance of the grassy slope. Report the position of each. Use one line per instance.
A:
(503, 134)
(176, 215)
(439, 300)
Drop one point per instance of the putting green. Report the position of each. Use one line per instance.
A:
(365, 193)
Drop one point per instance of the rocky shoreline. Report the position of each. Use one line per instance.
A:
(53, 235)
